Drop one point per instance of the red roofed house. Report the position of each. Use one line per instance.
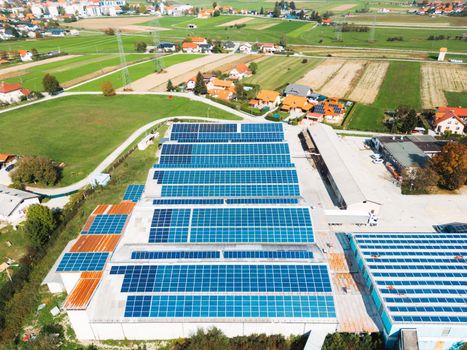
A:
(190, 47)
(199, 40)
(223, 89)
(450, 119)
(12, 93)
(25, 55)
(240, 71)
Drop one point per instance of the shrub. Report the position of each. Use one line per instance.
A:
(39, 225)
(36, 170)
(141, 46)
(107, 89)
(109, 31)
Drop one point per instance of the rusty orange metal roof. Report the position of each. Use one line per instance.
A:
(80, 296)
(88, 223)
(95, 243)
(91, 274)
(125, 207)
(101, 209)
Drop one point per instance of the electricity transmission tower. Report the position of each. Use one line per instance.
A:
(338, 30)
(371, 38)
(125, 74)
(158, 61)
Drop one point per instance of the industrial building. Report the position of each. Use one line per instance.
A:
(418, 281)
(218, 236)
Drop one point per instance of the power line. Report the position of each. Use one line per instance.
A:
(125, 74)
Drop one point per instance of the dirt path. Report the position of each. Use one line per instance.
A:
(319, 75)
(368, 85)
(437, 78)
(181, 72)
(237, 21)
(340, 84)
(23, 67)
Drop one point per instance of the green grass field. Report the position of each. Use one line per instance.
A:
(276, 72)
(136, 72)
(71, 69)
(456, 99)
(95, 125)
(400, 87)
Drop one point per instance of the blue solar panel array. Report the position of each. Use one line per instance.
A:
(167, 255)
(268, 254)
(230, 190)
(224, 278)
(73, 262)
(107, 224)
(424, 268)
(133, 193)
(224, 149)
(230, 306)
(213, 201)
(228, 225)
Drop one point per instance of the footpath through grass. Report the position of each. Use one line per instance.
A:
(401, 86)
(278, 71)
(136, 72)
(70, 69)
(81, 131)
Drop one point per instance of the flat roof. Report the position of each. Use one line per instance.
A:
(407, 154)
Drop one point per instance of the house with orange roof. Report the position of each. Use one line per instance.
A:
(12, 93)
(330, 109)
(240, 71)
(190, 47)
(450, 120)
(25, 55)
(222, 89)
(199, 40)
(296, 104)
(205, 13)
(266, 98)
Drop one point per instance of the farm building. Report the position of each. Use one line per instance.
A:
(12, 93)
(417, 282)
(14, 203)
(297, 90)
(215, 242)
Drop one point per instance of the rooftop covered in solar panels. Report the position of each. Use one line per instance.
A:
(419, 278)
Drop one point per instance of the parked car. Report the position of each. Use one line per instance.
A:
(9, 168)
(378, 161)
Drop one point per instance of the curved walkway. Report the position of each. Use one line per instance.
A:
(132, 138)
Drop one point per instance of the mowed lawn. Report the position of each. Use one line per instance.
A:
(400, 87)
(136, 72)
(456, 99)
(276, 72)
(70, 69)
(81, 131)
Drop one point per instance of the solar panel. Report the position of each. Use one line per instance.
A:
(133, 193)
(239, 160)
(182, 201)
(230, 306)
(224, 127)
(169, 177)
(262, 201)
(82, 262)
(268, 254)
(230, 190)
(266, 127)
(230, 164)
(226, 137)
(167, 255)
(225, 148)
(107, 224)
(214, 278)
(453, 228)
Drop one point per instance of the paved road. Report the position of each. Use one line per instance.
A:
(133, 137)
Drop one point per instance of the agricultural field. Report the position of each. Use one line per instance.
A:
(136, 72)
(409, 20)
(319, 75)
(456, 98)
(401, 86)
(343, 80)
(105, 121)
(276, 72)
(71, 71)
(438, 78)
(367, 87)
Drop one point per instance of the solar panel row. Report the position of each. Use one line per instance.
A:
(133, 193)
(211, 201)
(229, 254)
(225, 149)
(107, 224)
(83, 262)
(230, 190)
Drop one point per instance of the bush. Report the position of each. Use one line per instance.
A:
(141, 46)
(50, 84)
(36, 170)
(109, 31)
(39, 225)
(107, 89)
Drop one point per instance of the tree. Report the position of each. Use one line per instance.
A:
(142, 8)
(200, 85)
(216, 13)
(240, 91)
(109, 31)
(50, 84)
(36, 170)
(253, 67)
(107, 88)
(292, 6)
(35, 53)
(418, 180)
(214, 5)
(213, 339)
(141, 46)
(451, 165)
(261, 12)
(277, 11)
(39, 225)
(170, 86)
(283, 41)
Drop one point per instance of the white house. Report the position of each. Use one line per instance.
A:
(448, 120)
(12, 93)
(53, 11)
(240, 71)
(245, 48)
(36, 10)
(13, 204)
(26, 56)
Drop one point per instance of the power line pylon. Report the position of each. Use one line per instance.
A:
(126, 80)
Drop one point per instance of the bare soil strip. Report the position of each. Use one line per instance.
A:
(340, 84)
(25, 66)
(319, 75)
(368, 85)
(18, 73)
(265, 26)
(237, 21)
(344, 7)
(114, 22)
(437, 78)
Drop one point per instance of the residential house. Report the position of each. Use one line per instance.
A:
(26, 56)
(199, 40)
(245, 48)
(12, 93)
(266, 99)
(297, 90)
(296, 104)
(205, 13)
(222, 89)
(327, 22)
(14, 203)
(228, 45)
(449, 119)
(190, 47)
(330, 109)
(205, 48)
(240, 71)
(5, 158)
(270, 48)
(167, 47)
